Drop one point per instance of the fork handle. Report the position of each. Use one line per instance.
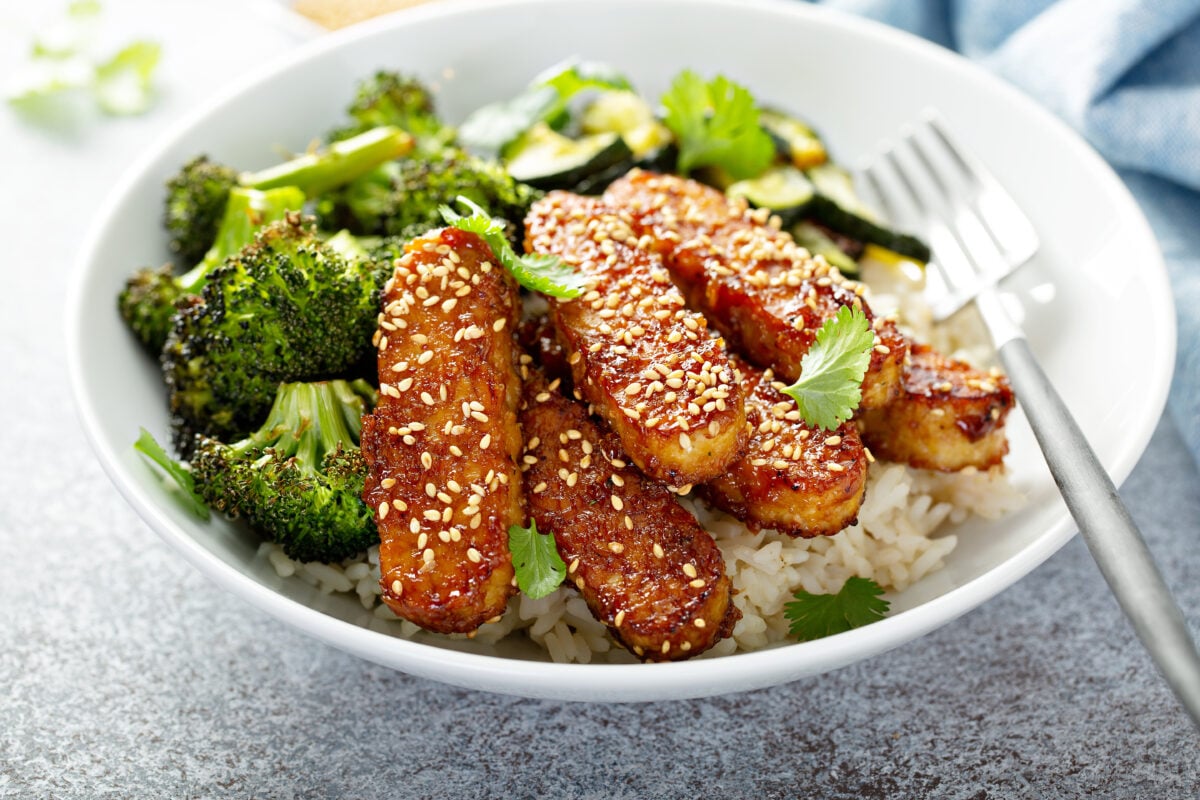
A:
(1110, 533)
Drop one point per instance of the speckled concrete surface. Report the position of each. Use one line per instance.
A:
(123, 673)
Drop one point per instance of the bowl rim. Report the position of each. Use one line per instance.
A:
(623, 682)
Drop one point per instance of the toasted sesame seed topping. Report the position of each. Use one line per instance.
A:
(689, 570)
(617, 503)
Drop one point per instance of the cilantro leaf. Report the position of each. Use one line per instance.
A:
(831, 372)
(493, 127)
(490, 128)
(63, 71)
(540, 570)
(541, 273)
(814, 616)
(123, 83)
(152, 450)
(716, 124)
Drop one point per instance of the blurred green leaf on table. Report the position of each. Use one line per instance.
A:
(64, 70)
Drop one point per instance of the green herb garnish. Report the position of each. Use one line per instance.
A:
(540, 570)
(493, 127)
(716, 124)
(814, 616)
(152, 450)
(63, 65)
(831, 372)
(541, 273)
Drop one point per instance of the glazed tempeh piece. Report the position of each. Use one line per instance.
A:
(643, 564)
(645, 363)
(443, 442)
(948, 417)
(761, 290)
(794, 478)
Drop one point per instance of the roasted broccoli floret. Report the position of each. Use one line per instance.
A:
(299, 478)
(244, 204)
(404, 196)
(151, 297)
(195, 203)
(286, 308)
(196, 196)
(388, 98)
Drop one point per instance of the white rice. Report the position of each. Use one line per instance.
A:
(895, 542)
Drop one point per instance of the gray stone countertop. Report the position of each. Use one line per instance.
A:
(124, 673)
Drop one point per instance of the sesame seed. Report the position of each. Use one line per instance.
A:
(697, 584)
(422, 540)
(485, 442)
(414, 525)
(699, 623)
(689, 570)
(474, 555)
(427, 555)
(658, 551)
(427, 398)
(387, 483)
(426, 460)
(383, 510)
(617, 620)
(541, 487)
(425, 357)
(617, 480)
(399, 505)
(616, 547)
(617, 503)
(397, 588)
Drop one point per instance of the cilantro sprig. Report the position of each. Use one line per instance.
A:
(539, 568)
(814, 616)
(541, 273)
(148, 446)
(63, 65)
(492, 128)
(831, 373)
(716, 124)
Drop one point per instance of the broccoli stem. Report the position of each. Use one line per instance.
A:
(339, 164)
(246, 211)
(308, 421)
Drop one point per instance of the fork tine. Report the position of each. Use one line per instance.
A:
(968, 227)
(951, 262)
(1008, 226)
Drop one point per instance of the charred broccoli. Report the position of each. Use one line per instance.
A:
(195, 204)
(388, 98)
(404, 196)
(299, 478)
(150, 298)
(286, 308)
(196, 195)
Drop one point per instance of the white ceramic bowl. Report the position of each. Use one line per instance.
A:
(859, 82)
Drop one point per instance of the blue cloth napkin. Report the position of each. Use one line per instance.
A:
(1126, 75)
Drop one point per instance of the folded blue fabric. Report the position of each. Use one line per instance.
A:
(1126, 75)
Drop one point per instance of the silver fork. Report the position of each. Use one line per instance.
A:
(979, 235)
